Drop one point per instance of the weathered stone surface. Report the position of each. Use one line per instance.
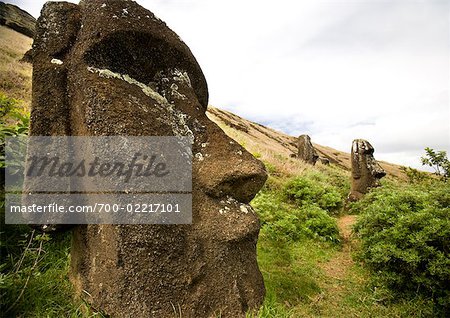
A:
(366, 172)
(112, 68)
(306, 150)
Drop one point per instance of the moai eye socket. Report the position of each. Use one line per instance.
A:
(369, 151)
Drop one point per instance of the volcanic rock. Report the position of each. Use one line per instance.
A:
(110, 68)
(366, 172)
(306, 151)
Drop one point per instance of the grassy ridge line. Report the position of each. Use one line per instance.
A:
(261, 139)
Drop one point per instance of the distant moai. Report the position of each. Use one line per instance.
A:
(111, 67)
(366, 172)
(306, 151)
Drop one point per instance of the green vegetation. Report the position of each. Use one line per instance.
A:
(291, 213)
(308, 267)
(15, 120)
(416, 176)
(404, 233)
(402, 266)
(33, 267)
(438, 161)
(33, 279)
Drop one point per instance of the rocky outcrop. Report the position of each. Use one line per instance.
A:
(111, 67)
(366, 172)
(17, 19)
(306, 151)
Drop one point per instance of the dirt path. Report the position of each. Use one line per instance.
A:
(345, 224)
(337, 267)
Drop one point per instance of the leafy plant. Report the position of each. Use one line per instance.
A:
(438, 161)
(405, 240)
(14, 122)
(414, 175)
(284, 219)
(303, 192)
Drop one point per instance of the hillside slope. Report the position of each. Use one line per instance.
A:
(260, 139)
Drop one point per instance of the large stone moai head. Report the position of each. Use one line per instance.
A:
(366, 172)
(107, 67)
(306, 151)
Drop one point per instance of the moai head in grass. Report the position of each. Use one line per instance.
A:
(366, 172)
(306, 151)
(107, 67)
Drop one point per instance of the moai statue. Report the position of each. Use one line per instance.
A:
(306, 151)
(111, 67)
(366, 172)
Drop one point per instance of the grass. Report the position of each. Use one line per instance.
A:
(308, 277)
(15, 76)
(34, 280)
(298, 285)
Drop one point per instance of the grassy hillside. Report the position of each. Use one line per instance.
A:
(269, 142)
(15, 76)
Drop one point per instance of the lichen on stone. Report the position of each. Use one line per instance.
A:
(178, 120)
(56, 61)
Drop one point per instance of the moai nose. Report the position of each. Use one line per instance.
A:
(231, 170)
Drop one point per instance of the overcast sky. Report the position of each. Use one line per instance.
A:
(336, 70)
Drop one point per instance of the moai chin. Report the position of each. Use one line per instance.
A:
(366, 172)
(110, 67)
(306, 151)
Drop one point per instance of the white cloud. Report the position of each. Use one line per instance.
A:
(337, 70)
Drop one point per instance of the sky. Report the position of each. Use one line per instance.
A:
(335, 70)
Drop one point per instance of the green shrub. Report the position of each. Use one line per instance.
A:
(304, 192)
(14, 122)
(415, 176)
(405, 239)
(32, 266)
(282, 220)
(319, 224)
(14, 119)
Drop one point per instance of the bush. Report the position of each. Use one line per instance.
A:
(282, 220)
(14, 122)
(405, 240)
(32, 266)
(14, 119)
(305, 192)
(415, 176)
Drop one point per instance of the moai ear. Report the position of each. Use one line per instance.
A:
(356, 160)
(56, 32)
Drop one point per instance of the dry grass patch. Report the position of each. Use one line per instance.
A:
(15, 76)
